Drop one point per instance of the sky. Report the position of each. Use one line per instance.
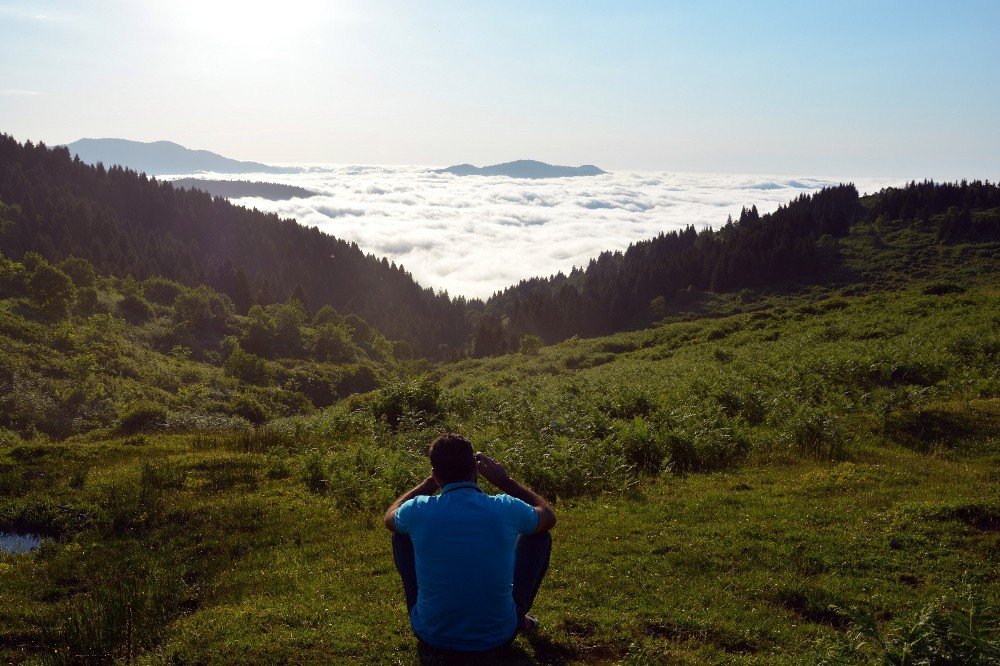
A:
(838, 89)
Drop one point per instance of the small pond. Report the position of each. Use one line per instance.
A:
(18, 543)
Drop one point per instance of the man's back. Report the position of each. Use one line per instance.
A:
(463, 543)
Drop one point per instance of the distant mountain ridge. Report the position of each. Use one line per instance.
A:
(523, 169)
(234, 189)
(158, 158)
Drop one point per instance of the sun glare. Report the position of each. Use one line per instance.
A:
(243, 25)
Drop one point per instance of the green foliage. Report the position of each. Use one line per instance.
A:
(642, 445)
(203, 310)
(120, 621)
(160, 290)
(12, 276)
(143, 417)
(333, 343)
(79, 270)
(51, 290)
(530, 344)
(249, 408)
(401, 404)
(943, 631)
(133, 304)
(248, 367)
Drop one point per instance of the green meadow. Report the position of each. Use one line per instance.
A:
(806, 480)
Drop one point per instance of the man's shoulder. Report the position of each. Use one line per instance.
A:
(417, 502)
(503, 500)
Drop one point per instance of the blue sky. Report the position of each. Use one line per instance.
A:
(902, 89)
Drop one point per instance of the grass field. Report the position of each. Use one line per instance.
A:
(811, 480)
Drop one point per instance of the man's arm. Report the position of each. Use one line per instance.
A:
(425, 487)
(494, 472)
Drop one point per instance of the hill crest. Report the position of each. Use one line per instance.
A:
(164, 158)
(523, 169)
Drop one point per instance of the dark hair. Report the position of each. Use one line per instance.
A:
(452, 458)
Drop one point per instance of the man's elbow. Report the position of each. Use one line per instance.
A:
(546, 520)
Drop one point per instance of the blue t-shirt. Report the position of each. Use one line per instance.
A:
(463, 543)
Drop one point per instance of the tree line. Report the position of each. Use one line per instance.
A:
(796, 243)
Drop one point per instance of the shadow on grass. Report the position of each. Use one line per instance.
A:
(545, 652)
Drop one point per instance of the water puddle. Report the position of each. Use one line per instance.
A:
(18, 543)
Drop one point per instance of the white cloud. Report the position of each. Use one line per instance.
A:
(19, 92)
(476, 235)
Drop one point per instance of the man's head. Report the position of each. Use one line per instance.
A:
(452, 459)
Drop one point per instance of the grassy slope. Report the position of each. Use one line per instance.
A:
(730, 566)
(859, 472)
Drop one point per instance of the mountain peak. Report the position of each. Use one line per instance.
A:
(523, 169)
(158, 158)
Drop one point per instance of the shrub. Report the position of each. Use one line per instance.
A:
(396, 402)
(86, 300)
(202, 310)
(116, 623)
(641, 445)
(142, 417)
(942, 289)
(248, 367)
(530, 344)
(359, 378)
(314, 472)
(50, 289)
(249, 408)
(333, 343)
(11, 278)
(817, 433)
(134, 306)
(161, 290)
(79, 270)
(941, 632)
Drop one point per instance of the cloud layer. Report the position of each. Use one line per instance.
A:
(475, 235)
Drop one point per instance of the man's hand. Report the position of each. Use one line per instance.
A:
(494, 472)
(491, 470)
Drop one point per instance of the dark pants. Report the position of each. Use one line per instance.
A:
(531, 561)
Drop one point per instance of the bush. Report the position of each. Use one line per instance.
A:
(402, 401)
(333, 343)
(921, 428)
(161, 290)
(641, 445)
(143, 417)
(249, 408)
(942, 289)
(86, 300)
(248, 367)
(134, 306)
(11, 278)
(941, 632)
(530, 344)
(50, 289)
(203, 310)
(358, 378)
(79, 270)
(817, 433)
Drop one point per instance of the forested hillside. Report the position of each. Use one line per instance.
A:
(800, 243)
(127, 224)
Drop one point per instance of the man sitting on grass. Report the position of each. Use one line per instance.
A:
(471, 563)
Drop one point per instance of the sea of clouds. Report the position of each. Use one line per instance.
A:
(475, 235)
